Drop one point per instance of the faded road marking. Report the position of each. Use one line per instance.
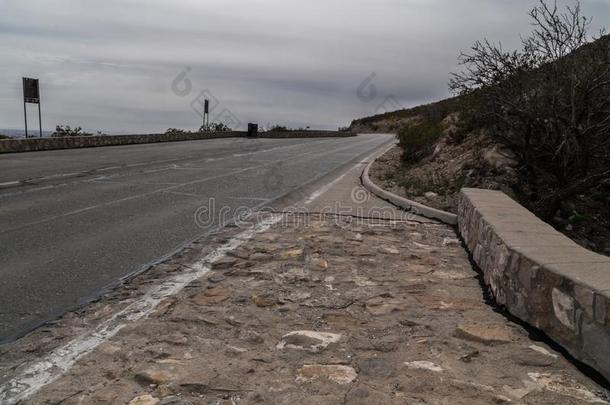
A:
(60, 360)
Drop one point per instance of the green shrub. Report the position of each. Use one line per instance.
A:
(175, 132)
(4, 136)
(215, 127)
(417, 140)
(279, 128)
(62, 131)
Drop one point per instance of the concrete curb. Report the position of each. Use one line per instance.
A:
(415, 207)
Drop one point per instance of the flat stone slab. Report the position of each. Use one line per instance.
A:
(339, 374)
(308, 340)
(485, 333)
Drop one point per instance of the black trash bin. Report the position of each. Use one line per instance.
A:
(252, 130)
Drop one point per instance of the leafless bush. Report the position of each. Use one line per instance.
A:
(549, 102)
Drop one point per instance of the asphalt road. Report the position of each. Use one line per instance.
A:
(75, 222)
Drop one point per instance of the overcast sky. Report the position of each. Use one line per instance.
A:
(142, 65)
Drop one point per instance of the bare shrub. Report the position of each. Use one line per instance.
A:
(549, 102)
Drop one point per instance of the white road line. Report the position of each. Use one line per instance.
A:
(129, 198)
(55, 176)
(59, 361)
(197, 196)
(327, 187)
(10, 183)
(250, 198)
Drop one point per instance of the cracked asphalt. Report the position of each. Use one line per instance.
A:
(75, 222)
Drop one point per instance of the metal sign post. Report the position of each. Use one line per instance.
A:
(31, 94)
(206, 113)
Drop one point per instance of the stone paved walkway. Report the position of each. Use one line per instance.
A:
(327, 310)
(319, 309)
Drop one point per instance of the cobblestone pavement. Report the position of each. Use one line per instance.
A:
(319, 309)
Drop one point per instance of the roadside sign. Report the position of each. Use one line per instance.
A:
(31, 94)
(252, 130)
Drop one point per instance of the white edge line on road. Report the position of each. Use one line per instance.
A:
(59, 361)
(315, 195)
(324, 188)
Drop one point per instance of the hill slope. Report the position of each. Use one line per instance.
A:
(440, 152)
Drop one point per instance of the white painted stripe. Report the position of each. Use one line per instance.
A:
(55, 176)
(9, 183)
(325, 188)
(59, 361)
(328, 186)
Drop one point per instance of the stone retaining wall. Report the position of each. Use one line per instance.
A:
(38, 144)
(306, 134)
(540, 275)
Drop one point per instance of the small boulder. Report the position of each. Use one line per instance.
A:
(489, 334)
(292, 254)
(211, 296)
(318, 263)
(147, 377)
(335, 373)
(424, 365)
(310, 341)
(499, 158)
(173, 400)
(451, 242)
(264, 301)
(388, 250)
(224, 263)
(144, 400)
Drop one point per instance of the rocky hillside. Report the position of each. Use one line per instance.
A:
(476, 160)
(440, 151)
(394, 121)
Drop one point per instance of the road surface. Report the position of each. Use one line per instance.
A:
(75, 222)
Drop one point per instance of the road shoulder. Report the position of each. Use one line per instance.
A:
(313, 307)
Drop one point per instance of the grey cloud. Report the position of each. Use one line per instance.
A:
(109, 65)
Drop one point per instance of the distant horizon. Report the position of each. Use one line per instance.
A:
(34, 131)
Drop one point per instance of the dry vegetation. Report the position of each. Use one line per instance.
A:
(534, 123)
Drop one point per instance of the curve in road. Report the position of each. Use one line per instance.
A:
(73, 223)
